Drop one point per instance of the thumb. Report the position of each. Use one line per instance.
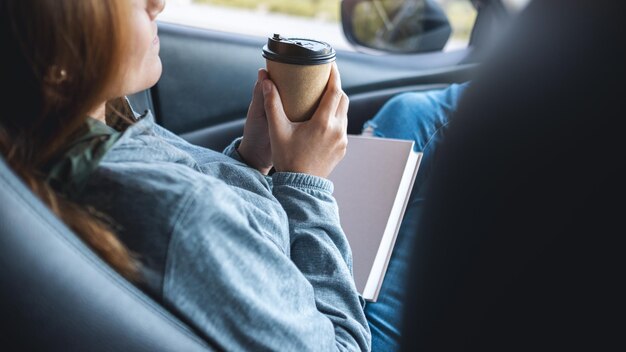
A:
(274, 111)
(256, 108)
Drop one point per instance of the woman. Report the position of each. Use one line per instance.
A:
(256, 262)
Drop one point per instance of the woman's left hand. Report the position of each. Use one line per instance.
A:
(255, 148)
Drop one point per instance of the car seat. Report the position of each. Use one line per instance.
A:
(56, 294)
(520, 243)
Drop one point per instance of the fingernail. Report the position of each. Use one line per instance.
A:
(266, 86)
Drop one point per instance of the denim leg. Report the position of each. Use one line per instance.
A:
(422, 117)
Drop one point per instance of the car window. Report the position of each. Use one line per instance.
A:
(461, 14)
(515, 6)
(318, 19)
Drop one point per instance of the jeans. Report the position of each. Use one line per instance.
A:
(422, 117)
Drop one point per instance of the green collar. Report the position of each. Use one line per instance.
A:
(69, 173)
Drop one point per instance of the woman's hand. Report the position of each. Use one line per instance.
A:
(255, 148)
(315, 146)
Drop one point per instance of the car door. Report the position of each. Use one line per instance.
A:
(208, 75)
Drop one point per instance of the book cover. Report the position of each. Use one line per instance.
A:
(372, 186)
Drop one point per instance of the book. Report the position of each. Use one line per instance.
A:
(372, 187)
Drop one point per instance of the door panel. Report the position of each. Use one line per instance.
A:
(208, 77)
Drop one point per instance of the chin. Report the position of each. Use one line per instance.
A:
(153, 76)
(149, 79)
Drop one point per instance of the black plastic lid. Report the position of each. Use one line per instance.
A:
(298, 51)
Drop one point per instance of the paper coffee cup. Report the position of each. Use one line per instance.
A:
(300, 68)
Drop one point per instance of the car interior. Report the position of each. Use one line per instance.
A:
(57, 294)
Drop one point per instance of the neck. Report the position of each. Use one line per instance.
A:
(99, 113)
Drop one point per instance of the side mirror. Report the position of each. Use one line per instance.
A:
(396, 26)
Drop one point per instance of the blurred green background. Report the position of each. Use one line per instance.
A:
(323, 9)
(460, 12)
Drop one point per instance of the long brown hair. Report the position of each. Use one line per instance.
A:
(63, 58)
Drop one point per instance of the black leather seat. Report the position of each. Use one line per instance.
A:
(57, 295)
(520, 247)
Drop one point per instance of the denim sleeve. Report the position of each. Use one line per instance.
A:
(242, 289)
(231, 150)
(320, 250)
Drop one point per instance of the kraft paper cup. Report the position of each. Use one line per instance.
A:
(300, 87)
(300, 69)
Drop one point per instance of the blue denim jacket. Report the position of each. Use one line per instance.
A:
(255, 262)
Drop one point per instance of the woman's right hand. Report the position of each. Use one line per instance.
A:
(315, 146)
